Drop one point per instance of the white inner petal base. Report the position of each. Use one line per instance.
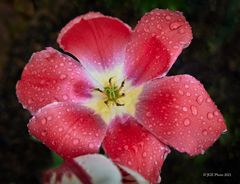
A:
(111, 110)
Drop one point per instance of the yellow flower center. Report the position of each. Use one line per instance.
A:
(117, 96)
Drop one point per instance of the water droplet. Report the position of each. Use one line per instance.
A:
(60, 129)
(215, 113)
(91, 145)
(204, 132)
(208, 100)
(188, 94)
(129, 163)
(181, 30)
(125, 147)
(49, 118)
(176, 79)
(186, 86)
(63, 76)
(180, 92)
(194, 110)
(144, 154)
(186, 122)
(65, 97)
(30, 101)
(200, 99)
(174, 25)
(184, 109)
(44, 132)
(168, 17)
(148, 114)
(210, 115)
(76, 141)
(43, 121)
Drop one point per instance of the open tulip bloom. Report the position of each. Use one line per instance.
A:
(118, 96)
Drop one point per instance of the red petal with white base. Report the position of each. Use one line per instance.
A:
(68, 129)
(129, 144)
(87, 169)
(51, 76)
(97, 41)
(157, 40)
(180, 113)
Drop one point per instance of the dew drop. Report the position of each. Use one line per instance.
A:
(174, 25)
(76, 141)
(44, 132)
(60, 129)
(204, 132)
(208, 100)
(129, 163)
(181, 31)
(180, 92)
(65, 97)
(91, 145)
(168, 17)
(176, 79)
(148, 114)
(63, 76)
(215, 113)
(144, 154)
(188, 94)
(184, 109)
(49, 118)
(210, 115)
(125, 147)
(186, 122)
(194, 110)
(43, 121)
(200, 99)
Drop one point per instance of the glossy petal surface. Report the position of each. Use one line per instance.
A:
(98, 42)
(51, 76)
(158, 39)
(129, 144)
(180, 113)
(68, 129)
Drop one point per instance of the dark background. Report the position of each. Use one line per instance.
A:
(213, 57)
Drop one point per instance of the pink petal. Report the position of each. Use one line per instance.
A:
(68, 129)
(180, 113)
(129, 144)
(97, 41)
(89, 169)
(51, 76)
(158, 39)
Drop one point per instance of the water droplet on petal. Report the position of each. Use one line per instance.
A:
(180, 92)
(200, 99)
(210, 115)
(208, 100)
(204, 132)
(168, 17)
(129, 163)
(76, 141)
(185, 109)
(186, 122)
(44, 121)
(181, 30)
(194, 110)
(144, 154)
(44, 132)
(49, 118)
(91, 145)
(65, 97)
(215, 113)
(176, 79)
(148, 114)
(174, 25)
(63, 76)
(125, 147)
(60, 129)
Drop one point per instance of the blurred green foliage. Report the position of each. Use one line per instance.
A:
(213, 57)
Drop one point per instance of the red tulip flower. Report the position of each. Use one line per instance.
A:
(118, 95)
